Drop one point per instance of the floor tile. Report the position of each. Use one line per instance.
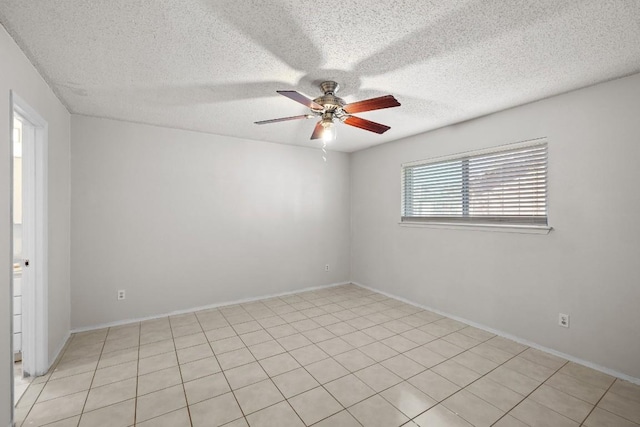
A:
(119, 357)
(408, 399)
(460, 340)
(160, 402)
(291, 342)
(157, 363)
(309, 354)
(321, 351)
(435, 386)
(106, 395)
(354, 360)
(335, 346)
(56, 409)
(65, 386)
(280, 415)
(587, 375)
(159, 380)
(115, 373)
(258, 396)
(509, 421)
(206, 388)
(156, 348)
(266, 349)
(599, 418)
(475, 362)
(235, 358)
(197, 352)
(378, 351)
(256, 337)
(402, 366)
(349, 390)
(507, 345)
(282, 331)
(378, 377)
(515, 381)
(215, 412)
(199, 368)
(179, 418)
(626, 408)
(418, 336)
(315, 405)
(190, 340)
(341, 419)
(492, 353)
(473, 409)
(118, 415)
(535, 415)
(476, 333)
(225, 345)
(399, 343)
(295, 382)
(626, 389)
(542, 358)
(562, 403)
(245, 375)
(425, 357)
(326, 370)
(377, 412)
(220, 333)
(441, 417)
(498, 395)
(276, 365)
(444, 347)
(532, 370)
(456, 373)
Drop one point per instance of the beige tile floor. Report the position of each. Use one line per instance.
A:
(337, 357)
(20, 383)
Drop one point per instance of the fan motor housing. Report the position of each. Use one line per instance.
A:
(329, 101)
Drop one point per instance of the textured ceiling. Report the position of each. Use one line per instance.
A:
(214, 65)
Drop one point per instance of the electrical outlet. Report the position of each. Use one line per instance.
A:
(326, 267)
(563, 320)
(121, 295)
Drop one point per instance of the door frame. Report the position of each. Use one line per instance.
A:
(35, 331)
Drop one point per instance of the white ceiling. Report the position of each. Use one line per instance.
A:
(214, 65)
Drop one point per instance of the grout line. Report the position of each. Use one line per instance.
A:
(223, 374)
(184, 390)
(599, 400)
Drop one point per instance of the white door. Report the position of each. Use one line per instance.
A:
(18, 250)
(30, 237)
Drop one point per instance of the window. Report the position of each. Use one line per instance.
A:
(506, 185)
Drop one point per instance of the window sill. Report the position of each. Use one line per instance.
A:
(510, 228)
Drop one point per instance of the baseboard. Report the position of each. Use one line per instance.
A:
(503, 334)
(59, 350)
(204, 307)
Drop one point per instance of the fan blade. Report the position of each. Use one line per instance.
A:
(284, 119)
(317, 131)
(298, 97)
(366, 124)
(379, 103)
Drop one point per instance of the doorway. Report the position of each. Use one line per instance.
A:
(29, 244)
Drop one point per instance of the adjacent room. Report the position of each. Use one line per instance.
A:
(292, 213)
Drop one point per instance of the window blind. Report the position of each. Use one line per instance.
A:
(502, 186)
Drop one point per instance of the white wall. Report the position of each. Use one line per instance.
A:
(588, 266)
(17, 73)
(182, 219)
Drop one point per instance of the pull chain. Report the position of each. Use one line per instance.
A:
(324, 150)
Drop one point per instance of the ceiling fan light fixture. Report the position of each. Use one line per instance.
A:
(329, 127)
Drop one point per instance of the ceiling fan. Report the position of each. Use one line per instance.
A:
(330, 108)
